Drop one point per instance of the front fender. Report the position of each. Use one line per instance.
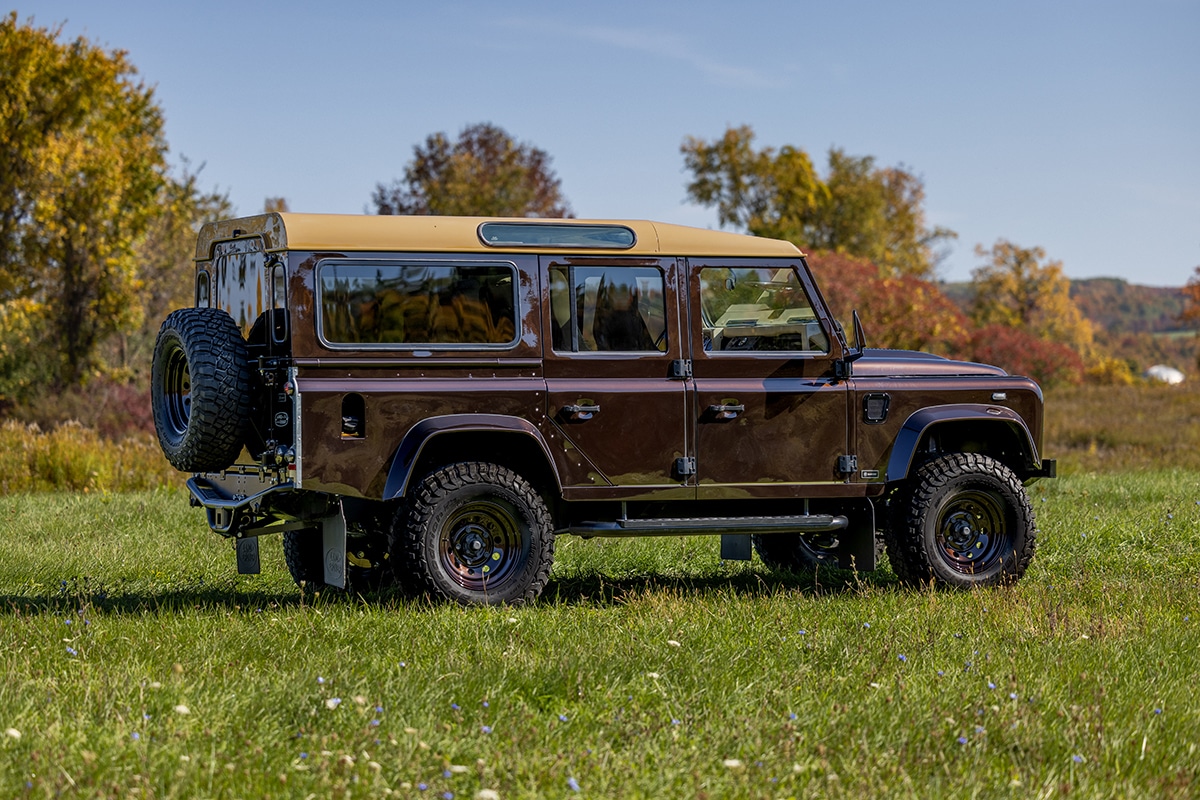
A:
(419, 436)
(916, 426)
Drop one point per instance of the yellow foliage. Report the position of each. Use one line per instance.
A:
(1017, 291)
(1110, 372)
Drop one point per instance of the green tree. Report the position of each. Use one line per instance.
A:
(1016, 290)
(858, 209)
(484, 173)
(164, 258)
(82, 165)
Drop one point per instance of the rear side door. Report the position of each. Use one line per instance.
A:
(615, 390)
(770, 415)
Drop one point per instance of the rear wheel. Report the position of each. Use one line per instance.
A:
(964, 521)
(368, 566)
(474, 533)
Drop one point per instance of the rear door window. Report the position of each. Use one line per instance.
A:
(608, 309)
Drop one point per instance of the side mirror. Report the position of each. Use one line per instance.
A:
(843, 366)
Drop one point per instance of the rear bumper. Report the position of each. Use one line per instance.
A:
(225, 506)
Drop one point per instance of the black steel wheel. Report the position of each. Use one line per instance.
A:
(965, 520)
(200, 389)
(474, 533)
(797, 552)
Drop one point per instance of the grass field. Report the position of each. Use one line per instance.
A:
(138, 664)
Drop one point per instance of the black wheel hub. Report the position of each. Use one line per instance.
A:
(482, 545)
(177, 393)
(972, 535)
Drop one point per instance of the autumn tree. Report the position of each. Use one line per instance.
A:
(1017, 290)
(484, 173)
(898, 311)
(165, 266)
(858, 208)
(82, 165)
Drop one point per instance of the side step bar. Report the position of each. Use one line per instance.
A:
(700, 526)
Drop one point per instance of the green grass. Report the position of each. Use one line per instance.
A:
(645, 667)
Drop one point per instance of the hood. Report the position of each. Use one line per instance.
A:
(889, 363)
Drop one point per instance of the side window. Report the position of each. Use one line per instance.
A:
(375, 303)
(203, 290)
(608, 309)
(758, 308)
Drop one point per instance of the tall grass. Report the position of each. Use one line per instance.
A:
(74, 458)
(1119, 428)
(138, 664)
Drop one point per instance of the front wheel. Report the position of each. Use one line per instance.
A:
(475, 533)
(964, 521)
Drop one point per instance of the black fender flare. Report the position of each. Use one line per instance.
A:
(915, 427)
(408, 453)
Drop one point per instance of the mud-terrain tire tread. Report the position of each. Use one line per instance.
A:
(302, 554)
(415, 539)
(910, 538)
(219, 371)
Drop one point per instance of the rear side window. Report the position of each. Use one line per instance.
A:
(608, 309)
(383, 303)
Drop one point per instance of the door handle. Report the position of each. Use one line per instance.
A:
(726, 410)
(580, 412)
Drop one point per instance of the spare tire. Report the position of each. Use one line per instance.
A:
(200, 389)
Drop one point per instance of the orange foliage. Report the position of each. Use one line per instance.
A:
(1022, 353)
(898, 312)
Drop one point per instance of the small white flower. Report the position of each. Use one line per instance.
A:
(182, 709)
(673, 643)
(487, 794)
(652, 676)
(13, 733)
(458, 769)
(333, 703)
(733, 763)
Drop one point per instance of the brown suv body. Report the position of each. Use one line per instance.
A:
(668, 380)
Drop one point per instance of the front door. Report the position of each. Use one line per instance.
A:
(770, 416)
(613, 336)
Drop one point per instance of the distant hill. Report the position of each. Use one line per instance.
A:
(1140, 324)
(1112, 304)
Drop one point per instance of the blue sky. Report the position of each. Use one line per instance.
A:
(1069, 125)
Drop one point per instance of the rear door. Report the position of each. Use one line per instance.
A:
(770, 416)
(612, 351)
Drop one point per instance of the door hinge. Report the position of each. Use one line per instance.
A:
(685, 467)
(847, 465)
(681, 369)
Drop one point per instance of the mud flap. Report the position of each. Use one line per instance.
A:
(247, 556)
(736, 547)
(858, 549)
(333, 545)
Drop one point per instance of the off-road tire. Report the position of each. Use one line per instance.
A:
(305, 559)
(474, 533)
(200, 389)
(964, 520)
(796, 552)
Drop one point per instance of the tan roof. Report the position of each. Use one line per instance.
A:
(346, 232)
